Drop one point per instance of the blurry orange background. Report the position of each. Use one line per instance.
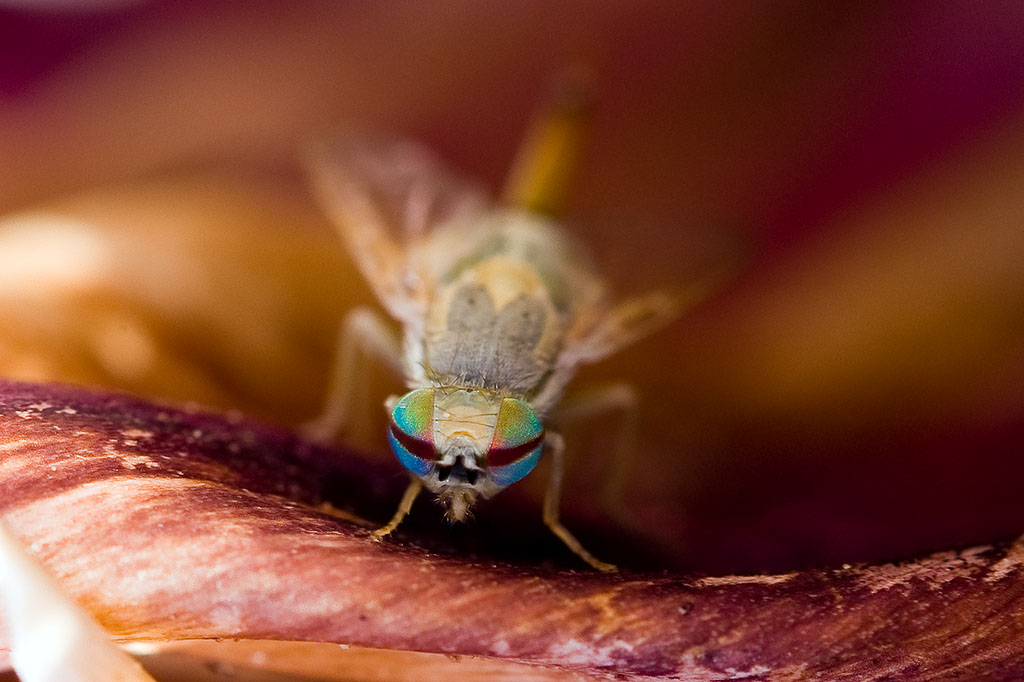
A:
(857, 392)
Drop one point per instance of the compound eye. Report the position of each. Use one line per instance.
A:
(517, 443)
(411, 433)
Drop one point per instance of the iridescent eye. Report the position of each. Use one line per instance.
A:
(517, 443)
(412, 431)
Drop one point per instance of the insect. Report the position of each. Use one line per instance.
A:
(498, 305)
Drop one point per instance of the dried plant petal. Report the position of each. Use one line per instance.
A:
(51, 639)
(341, 663)
(170, 524)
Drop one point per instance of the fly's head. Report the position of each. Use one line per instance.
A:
(464, 443)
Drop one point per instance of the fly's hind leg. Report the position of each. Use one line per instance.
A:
(552, 500)
(363, 334)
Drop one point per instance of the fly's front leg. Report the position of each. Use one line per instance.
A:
(363, 333)
(552, 500)
(410, 495)
(591, 403)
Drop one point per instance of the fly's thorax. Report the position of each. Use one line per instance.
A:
(503, 292)
(464, 443)
(494, 326)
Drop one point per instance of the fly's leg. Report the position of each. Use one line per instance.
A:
(591, 403)
(348, 517)
(362, 334)
(410, 495)
(552, 500)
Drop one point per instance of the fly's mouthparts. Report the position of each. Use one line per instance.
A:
(457, 473)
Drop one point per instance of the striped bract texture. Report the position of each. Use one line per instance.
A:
(172, 523)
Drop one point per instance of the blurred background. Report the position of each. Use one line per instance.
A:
(855, 393)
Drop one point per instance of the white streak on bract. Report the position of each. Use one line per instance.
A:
(755, 671)
(132, 462)
(934, 571)
(1013, 561)
(143, 648)
(725, 580)
(136, 433)
(51, 638)
(575, 652)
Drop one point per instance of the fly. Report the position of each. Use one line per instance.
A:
(498, 306)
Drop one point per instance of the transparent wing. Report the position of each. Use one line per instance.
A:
(626, 322)
(632, 319)
(597, 335)
(383, 196)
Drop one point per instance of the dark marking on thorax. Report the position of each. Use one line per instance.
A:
(489, 348)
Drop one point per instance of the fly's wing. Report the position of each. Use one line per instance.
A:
(384, 196)
(630, 320)
(596, 334)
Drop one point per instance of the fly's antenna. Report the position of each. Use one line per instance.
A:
(549, 154)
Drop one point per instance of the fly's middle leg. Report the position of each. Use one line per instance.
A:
(363, 335)
(591, 403)
(552, 500)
